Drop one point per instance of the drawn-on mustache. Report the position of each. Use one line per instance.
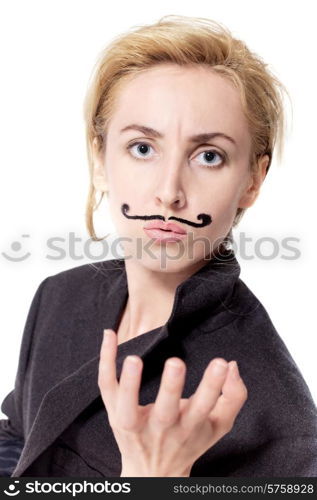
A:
(205, 218)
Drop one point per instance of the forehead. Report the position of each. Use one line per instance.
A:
(189, 99)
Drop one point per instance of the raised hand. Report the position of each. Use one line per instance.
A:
(166, 437)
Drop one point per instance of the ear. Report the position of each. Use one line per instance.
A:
(251, 193)
(99, 173)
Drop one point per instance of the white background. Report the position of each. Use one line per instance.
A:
(47, 53)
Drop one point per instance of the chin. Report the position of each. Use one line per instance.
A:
(165, 262)
(172, 257)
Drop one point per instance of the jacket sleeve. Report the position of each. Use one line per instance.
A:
(12, 435)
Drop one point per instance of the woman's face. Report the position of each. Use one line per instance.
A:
(178, 146)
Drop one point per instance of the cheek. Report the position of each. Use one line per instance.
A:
(222, 206)
(225, 206)
(222, 202)
(121, 190)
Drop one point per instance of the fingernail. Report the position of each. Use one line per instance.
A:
(219, 367)
(234, 370)
(132, 364)
(106, 336)
(173, 369)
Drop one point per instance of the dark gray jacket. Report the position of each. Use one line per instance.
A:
(56, 410)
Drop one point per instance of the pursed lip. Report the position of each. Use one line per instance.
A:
(167, 226)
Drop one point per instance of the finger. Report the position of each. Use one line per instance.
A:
(167, 404)
(207, 393)
(107, 378)
(127, 407)
(234, 395)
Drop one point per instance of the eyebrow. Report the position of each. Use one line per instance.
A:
(194, 138)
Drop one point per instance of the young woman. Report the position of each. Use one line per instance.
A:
(190, 377)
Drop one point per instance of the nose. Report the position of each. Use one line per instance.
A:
(170, 190)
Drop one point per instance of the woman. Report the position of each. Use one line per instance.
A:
(182, 120)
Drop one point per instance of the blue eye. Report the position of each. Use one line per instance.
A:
(140, 150)
(210, 158)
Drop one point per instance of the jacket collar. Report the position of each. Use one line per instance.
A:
(208, 290)
(203, 294)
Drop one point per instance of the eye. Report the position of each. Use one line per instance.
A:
(211, 158)
(140, 150)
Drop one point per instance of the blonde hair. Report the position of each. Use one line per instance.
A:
(185, 41)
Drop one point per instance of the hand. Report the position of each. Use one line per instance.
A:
(165, 438)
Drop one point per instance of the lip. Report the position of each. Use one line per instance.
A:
(161, 235)
(165, 226)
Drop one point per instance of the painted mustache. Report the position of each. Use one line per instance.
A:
(205, 218)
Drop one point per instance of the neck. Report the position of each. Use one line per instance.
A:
(151, 297)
